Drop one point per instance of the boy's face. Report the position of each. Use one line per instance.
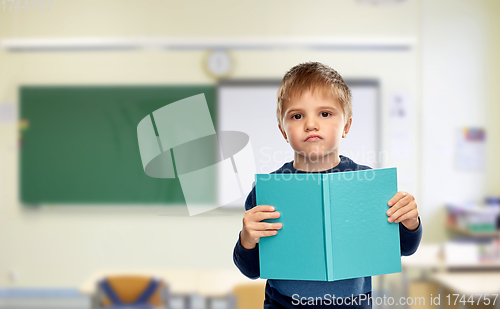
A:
(314, 126)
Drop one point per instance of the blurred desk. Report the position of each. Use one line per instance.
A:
(426, 258)
(470, 284)
(469, 279)
(210, 284)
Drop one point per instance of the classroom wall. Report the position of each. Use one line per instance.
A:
(60, 246)
(459, 56)
(492, 100)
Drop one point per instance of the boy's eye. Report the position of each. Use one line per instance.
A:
(297, 116)
(325, 114)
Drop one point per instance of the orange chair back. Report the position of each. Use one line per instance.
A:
(129, 287)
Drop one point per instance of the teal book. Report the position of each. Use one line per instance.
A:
(334, 226)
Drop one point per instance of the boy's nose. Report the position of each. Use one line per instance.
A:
(311, 124)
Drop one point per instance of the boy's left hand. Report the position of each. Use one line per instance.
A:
(403, 209)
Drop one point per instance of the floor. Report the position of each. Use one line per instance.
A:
(71, 299)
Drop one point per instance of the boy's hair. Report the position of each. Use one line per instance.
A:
(313, 76)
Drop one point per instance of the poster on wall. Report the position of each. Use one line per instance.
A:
(470, 152)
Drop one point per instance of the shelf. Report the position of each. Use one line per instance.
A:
(472, 234)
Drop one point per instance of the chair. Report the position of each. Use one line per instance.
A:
(131, 291)
(249, 295)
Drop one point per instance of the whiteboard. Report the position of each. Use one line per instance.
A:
(249, 106)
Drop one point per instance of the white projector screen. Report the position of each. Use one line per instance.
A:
(249, 106)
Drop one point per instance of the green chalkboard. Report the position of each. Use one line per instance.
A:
(78, 144)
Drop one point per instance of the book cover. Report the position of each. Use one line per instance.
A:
(334, 225)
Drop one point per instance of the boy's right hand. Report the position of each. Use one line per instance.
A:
(253, 229)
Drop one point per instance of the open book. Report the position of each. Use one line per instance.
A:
(334, 225)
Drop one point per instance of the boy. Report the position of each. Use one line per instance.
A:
(314, 113)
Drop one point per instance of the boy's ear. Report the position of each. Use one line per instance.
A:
(283, 132)
(347, 127)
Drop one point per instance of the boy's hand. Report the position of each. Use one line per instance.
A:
(253, 229)
(403, 209)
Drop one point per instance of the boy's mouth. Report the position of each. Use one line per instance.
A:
(313, 137)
